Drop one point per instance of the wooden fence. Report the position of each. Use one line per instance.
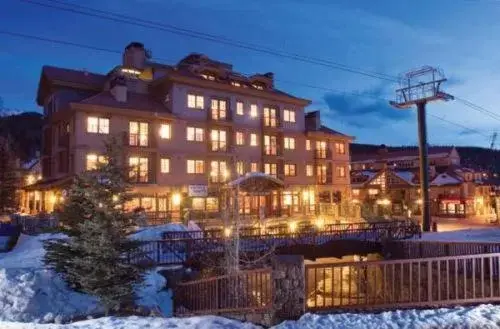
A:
(423, 282)
(246, 291)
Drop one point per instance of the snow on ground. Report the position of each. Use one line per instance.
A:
(31, 293)
(155, 232)
(467, 235)
(199, 322)
(480, 317)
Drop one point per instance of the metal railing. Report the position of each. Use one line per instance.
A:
(424, 249)
(420, 282)
(245, 291)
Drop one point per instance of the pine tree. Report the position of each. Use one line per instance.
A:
(93, 259)
(9, 178)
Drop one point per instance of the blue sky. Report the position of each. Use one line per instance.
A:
(459, 36)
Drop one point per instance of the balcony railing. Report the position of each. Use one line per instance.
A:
(219, 116)
(139, 140)
(272, 150)
(322, 154)
(218, 146)
(271, 122)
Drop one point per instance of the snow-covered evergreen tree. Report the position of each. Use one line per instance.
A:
(94, 259)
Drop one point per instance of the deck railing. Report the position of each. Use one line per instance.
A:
(246, 291)
(404, 283)
(423, 249)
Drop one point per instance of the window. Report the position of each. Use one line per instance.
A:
(321, 149)
(321, 174)
(165, 166)
(97, 125)
(254, 167)
(308, 144)
(258, 86)
(138, 133)
(289, 115)
(270, 169)
(253, 140)
(195, 101)
(289, 143)
(207, 76)
(270, 145)
(165, 131)
(254, 111)
(218, 139)
(240, 139)
(195, 166)
(240, 167)
(138, 169)
(236, 83)
(218, 171)
(372, 191)
(290, 170)
(93, 160)
(218, 108)
(270, 119)
(355, 192)
(195, 134)
(340, 171)
(239, 108)
(340, 148)
(309, 170)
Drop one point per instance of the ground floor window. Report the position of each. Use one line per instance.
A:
(452, 209)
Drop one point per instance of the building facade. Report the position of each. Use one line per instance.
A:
(187, 129)
(389, 183)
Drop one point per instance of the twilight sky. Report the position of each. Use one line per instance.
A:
(387, 36)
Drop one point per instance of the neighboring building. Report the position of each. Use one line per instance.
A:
(390, 183)
(31, 172)
(187, 129)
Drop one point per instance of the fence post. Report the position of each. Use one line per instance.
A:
(429, 280)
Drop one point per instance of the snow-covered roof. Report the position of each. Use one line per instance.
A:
(446, 179)
(407, 176)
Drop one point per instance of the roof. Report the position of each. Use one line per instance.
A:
(446, 179)
(407, 154)
(327, 130)
(68, 77)
(135, 101)
(254, 182)
(407, 176)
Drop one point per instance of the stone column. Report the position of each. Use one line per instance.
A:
(288, 275)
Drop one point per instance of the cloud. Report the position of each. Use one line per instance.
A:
(364, 112)
(468, 132)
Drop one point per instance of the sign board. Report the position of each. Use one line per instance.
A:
(198, 190)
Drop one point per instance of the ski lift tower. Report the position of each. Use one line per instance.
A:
(419, 87)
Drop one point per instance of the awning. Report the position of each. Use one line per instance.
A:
(256, 182)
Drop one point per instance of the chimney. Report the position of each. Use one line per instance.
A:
(118, 88)
(313, 120)
(134, 56)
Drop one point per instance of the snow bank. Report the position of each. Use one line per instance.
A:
(480, 317)
(151, 294)
(155, 232)
(201, 322)
(467, 235)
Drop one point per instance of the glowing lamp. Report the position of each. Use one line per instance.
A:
(227, 232)
(176, 199)
(320, 223)
(30, 179)
(292, 226)
(287, 200)
(115, 198)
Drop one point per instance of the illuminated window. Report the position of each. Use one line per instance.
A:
(290, 170)
(258, 86)
(218, 171)
(240, 167)
(218, 140)
(308, 144)
(253, 140)
(195, 134)
(239, 108)
(254, 111)
(355, 192)
(165, 131)
(289, 143)
(240, 139)
(138, 169)
(270, 145)
(218, 108)
(138, 133)
(97, 125)
(309, 170)
(270, 119)
(321, 149)
(236, 83)
(195, 166)
(340, 171)
(93, 160)
(254, 167)
(289, 115)
(321, 172)
(165, 166)
(372, 191)
(340, 148)
(195, 101)
(207, 76)
(270, 169)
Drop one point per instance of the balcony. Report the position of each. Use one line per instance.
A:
(218, 116)
(219, 147)
(271, 123)
(325, 154)
(272, 150)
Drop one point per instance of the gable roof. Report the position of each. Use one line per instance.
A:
(410, 153)
(446, 178)
(135, 101)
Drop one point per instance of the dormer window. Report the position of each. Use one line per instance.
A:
(236, 83)
(258, 86)
(210, 77)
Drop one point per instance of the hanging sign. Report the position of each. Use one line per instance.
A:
(198, 190)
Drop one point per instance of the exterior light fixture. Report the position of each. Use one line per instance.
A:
(320, 223)
(293, 227)
(227, 232)
(30, 179)
(53, 198)
(287, 200)
(176, 199)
